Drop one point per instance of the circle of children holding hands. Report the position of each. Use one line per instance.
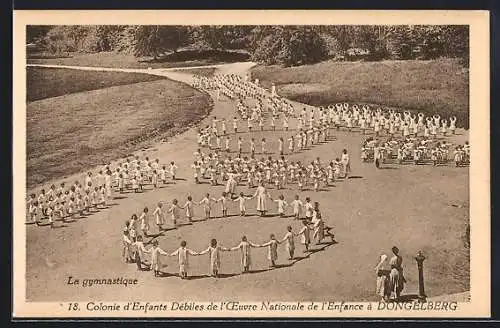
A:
(151, 259)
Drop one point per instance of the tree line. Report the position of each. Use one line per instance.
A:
(284, 45)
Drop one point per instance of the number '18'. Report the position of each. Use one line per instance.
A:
(73, 307)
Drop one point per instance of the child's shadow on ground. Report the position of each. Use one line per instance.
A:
(256, 271)
(163, 274)
(227, 275)
(225, 217)
(58, 227)
(196, 277)
(179, 225)
(322, 246)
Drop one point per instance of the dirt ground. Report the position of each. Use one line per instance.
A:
(413, 207)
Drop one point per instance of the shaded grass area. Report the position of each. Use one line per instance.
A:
(121, 60)
(68, 134)
(45, 83)
(46, 55)
(436, 86)
(205, 71)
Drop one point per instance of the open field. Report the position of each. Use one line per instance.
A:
(414, 207)
(73, 132)
(437, 86)
(122, 60)
(53, 82)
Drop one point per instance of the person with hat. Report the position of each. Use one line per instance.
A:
(382, 288)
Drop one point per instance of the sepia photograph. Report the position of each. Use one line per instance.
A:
(234, 169)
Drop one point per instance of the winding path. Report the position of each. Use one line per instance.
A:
(173, 73)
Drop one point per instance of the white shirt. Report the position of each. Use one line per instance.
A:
(297, 205)
(309, 210)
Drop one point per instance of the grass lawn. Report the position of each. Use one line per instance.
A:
(121, 60)
(105, 124)
(44, 83)
(437, 86)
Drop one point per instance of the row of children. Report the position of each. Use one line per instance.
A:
(279, 170)
(135, 251)
(417, 150)
(142, 224)
(294, 143)
(234, 86)
(391, 122)
(347, 115)
(93, 192)
(65, 204)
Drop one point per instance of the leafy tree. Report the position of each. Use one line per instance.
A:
(63, 38)
(220, 37)
(35, 33)
(125, 39)
(100, 38)
(155, 40)
(288, 45)
(342, 34)
(456, 42)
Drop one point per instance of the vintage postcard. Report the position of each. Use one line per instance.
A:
(251, 164)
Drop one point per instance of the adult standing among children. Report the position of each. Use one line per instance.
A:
(346, 163)
(318, 224)
(231, 184)
(396, 277)
(262, 194)
(377, 155)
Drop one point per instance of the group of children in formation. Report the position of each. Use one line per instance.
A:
(345, 115)
(313, 126)
(417, 150)
(135, 251)
(94, 192)
(410, 136)
(277, 171)
(213, 138)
